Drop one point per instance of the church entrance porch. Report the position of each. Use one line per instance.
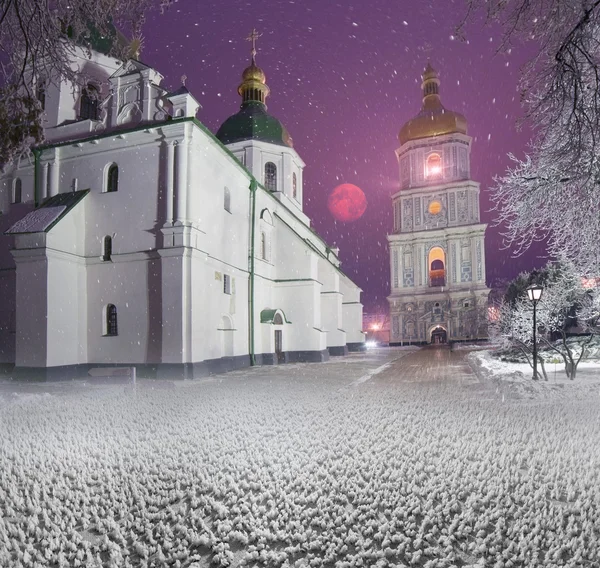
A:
(439, 335)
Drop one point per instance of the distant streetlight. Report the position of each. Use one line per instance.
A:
(534, 293)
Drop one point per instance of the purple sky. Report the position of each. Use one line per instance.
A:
(344, 77)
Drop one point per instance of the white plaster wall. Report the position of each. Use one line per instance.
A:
(351, 311)
(210, 304)
(300, 301)
(130, 214)
(123, 284)
(66, 311)
(210, 171)
(331, 309)
(32, 290)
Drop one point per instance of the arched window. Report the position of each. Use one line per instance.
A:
(106, 248)
(294, 186)
(111, 320)
(278, 320)
(17, 191)
(227, 199)
(271, 176)
(89, 106)
(112, 179)
(433, 168)
(437, 267)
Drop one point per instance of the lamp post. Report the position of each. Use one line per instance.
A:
(534, 293)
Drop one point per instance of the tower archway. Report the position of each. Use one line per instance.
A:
(438, 335)
(437, 266)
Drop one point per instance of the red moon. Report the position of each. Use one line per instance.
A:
(347, 202)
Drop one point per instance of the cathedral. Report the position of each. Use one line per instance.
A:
(136, 237)
(437, 253)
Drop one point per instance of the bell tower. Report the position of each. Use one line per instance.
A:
(437, 254)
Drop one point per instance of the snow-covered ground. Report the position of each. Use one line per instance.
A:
(518, 376)
(301, 465)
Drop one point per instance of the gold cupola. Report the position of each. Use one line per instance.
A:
(253, 87)
(252, 121)
(434, 119)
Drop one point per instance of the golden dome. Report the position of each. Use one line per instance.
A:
(434, 119)
(253, 73)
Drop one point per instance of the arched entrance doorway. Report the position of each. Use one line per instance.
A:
(439, 335)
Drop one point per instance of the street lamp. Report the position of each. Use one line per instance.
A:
(534, 293)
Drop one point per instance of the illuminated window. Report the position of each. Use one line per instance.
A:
(437, 267)
(271, 176)
(434, 166)
(435, 207)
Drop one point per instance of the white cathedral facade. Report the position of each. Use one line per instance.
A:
(136, 237)
(437, 253)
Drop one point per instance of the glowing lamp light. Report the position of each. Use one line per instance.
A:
(375, 326)
(433, 170)
(493, 313)
(534, 293)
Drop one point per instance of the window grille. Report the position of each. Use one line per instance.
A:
(271, 176)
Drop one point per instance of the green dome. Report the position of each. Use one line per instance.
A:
(253, 122)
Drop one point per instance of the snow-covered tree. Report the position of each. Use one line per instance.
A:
(553, 192)
(512, 326)
(564, 298)
(37, 39)
(568, 303)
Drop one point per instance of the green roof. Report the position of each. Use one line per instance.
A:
(253, 122)
(267, 316)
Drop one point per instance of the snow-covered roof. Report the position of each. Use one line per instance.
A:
(48, 213)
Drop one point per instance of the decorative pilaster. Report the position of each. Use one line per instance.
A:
(181, 182)
(44, 184)
(169, 186)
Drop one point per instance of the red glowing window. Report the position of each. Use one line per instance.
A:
(434, 165)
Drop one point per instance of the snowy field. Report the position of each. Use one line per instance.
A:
(338, 464)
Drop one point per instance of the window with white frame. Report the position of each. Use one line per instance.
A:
(271, 176)
(110, 320)
(112, 179)
(226, 284)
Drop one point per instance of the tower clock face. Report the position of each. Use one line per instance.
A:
(435, 207)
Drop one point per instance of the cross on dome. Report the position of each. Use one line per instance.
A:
(254, 35)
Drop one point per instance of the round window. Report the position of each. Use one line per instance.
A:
(435, 207)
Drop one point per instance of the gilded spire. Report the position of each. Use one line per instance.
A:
(433, 119)
(253, 87)
(431, 88)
